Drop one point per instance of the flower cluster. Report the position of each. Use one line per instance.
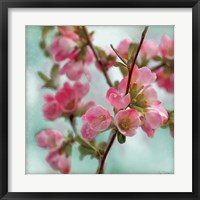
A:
(133, 99)
(66, 101)
(150, 50)
(55, 143)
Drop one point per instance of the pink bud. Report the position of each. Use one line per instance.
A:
(123, 47)
(49, 139)
(62, 48)
(165, 81)
(59, 161)
(51, 108)
(167, 47)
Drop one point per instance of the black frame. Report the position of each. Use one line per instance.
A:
(6, 4)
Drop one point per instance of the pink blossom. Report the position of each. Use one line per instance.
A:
(69, 96)
(165, 80)
(117, 99)
(127, 121)
(74, 69)
(49, 139)
(108, 60)
(59, 161)
(123, 47)
(149, 49)
(150, 95)
(51, 108)
(142, 77)
(167, 47)
(62, 48)
(88, 133)
(154, 117)
(98, 118)
(69, 32)
(66, 97)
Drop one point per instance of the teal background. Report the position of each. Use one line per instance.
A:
(140, 154)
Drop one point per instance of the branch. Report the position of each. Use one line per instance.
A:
(117, 53)
(135, 58)
(103, 159)
(96, 56)
(153, 69)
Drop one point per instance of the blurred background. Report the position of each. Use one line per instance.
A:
(139, 155)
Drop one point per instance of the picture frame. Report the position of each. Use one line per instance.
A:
(4, 97)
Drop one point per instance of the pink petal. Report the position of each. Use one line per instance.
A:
(88, 133)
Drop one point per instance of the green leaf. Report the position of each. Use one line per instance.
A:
(131, 50)
(68, 149)
(54, 72)
(116, 84)
(100, 51)
(121, 138)
(43, 76)
(85, 151)
(157, 58)
(124, 71)
(119, 64)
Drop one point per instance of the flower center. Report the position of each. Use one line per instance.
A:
(124, 124)
(102, 118)
(70, 105)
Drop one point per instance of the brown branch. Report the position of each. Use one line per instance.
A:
(135, 58)
(103, 159)
(153, 69)
(96, 56)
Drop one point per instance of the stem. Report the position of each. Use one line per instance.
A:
(117, 53)
(72, 122)
(96, 56)
(103, 159)
(135, 58)
(153, 69)
(89, 144)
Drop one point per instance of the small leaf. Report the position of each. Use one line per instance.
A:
(157, 58)
(121, 138)
(116, 84)
(124, 71)
(119, 64)
(131, 50)
(43, 76)
(85, 151)
(54, 72)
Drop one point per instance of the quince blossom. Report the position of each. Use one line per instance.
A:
(98, 118)
(127, 121)
(149, 49)
(49, 139)
(59, 161)
(62, 48)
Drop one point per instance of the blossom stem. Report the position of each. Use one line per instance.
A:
(96, 56)
(117, 53)
(72, 122)
(135, 58)
(103, 159)
(153, 69)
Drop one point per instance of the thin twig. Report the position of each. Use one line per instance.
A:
(103, 159)
(153, 69)
(135, 58)
(97, 57)
(117, 53)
